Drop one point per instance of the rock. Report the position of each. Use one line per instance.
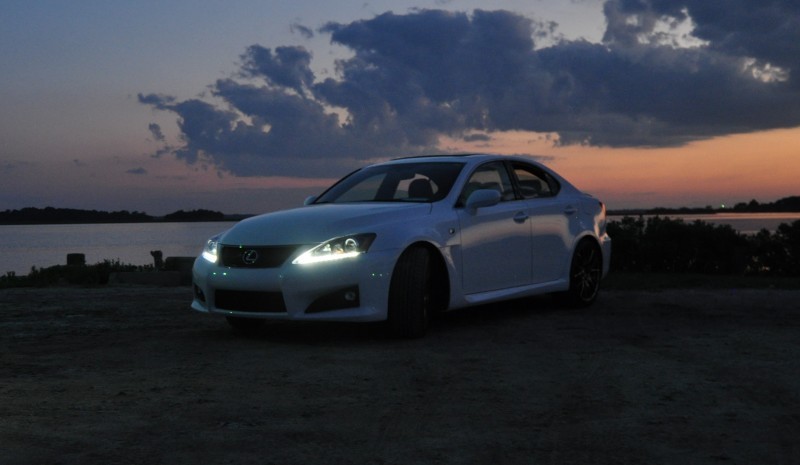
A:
(182, 265)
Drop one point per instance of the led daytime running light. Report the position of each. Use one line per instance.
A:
(339, 248)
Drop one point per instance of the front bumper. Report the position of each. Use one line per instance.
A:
(354, 289)
(605, 244)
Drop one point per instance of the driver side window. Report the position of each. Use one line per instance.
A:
(489, 176)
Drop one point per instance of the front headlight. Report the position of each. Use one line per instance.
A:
(211, 250)
(336, 249)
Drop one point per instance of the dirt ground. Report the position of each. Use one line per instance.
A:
(131, 375)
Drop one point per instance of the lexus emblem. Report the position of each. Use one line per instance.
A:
(250, 257)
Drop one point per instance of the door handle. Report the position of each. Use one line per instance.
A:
(570, 210)
(520, 217)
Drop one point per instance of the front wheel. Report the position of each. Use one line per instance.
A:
(585, 274)
(410, 294)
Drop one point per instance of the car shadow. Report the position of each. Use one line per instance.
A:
(443, 324)
(497, 312)
(305, 333)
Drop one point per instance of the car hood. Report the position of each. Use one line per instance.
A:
(316, 223)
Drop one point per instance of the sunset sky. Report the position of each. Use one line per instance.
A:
(250, 106)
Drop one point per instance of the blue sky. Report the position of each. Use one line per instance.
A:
(104, 104)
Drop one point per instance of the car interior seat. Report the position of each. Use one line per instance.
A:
(420, 189)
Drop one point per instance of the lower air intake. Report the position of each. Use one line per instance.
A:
(249, 301)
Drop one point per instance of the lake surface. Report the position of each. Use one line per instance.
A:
(746, 223)
(24, 246)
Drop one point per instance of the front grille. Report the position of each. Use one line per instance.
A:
(255, 257)
(249, 301)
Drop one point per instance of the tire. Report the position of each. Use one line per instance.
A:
(410, 294)
(245, 325)
(585, 273)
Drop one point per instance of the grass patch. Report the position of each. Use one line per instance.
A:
(654, 281)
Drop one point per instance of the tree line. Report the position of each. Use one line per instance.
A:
(50, 215)
(784, 205)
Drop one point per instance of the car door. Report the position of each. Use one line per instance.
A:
(551, 218)
(495, 240)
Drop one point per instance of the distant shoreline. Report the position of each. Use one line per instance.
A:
(784, 205)
(694, 212)
(51, 215)
(228, 218)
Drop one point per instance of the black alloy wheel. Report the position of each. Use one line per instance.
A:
(585, 274)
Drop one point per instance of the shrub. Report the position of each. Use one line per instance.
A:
(80, 275)
(778, 253)
(661, 244)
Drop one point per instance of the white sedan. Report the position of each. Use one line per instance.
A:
(401, 240)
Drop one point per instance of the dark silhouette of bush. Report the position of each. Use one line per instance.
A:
(661, 244)
(76, 275)
(778, 253)
(626, 251)
(788, 235)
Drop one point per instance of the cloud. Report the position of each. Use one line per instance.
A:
(155, 131)
(666, 73)
(477, 138)
(766, 31)
(159, 101)
(285, 67)
(137, 171)
(302, 30)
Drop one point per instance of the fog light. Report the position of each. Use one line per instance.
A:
(347, 297)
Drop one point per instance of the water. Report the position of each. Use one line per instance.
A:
(745, 223)
(24, 246)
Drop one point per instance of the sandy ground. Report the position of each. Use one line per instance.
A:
(131, 375)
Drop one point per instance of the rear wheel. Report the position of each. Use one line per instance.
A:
(585, 274)
(410, 294)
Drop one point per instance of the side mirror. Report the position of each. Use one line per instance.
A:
(309, 200)
(483, 198)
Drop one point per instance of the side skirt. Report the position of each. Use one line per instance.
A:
(510, 293)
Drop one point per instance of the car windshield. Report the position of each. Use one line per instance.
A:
(400, 182)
